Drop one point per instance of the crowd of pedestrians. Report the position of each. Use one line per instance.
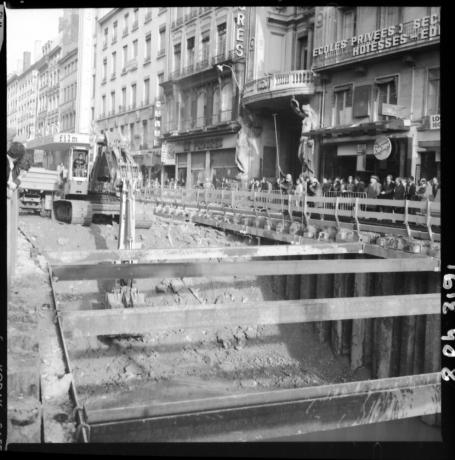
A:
(399, 188)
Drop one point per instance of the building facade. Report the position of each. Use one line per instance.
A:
(202, 85)
(128, 60)
(379, 73)
(279, 62)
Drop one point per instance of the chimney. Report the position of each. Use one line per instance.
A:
(27, 60)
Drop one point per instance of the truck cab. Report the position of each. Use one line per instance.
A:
(78, 172)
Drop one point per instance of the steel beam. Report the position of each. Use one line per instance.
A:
(143, 320)
(268, 415)
(181, 254)
(249, 268)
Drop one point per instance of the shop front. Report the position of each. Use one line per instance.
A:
(364, 151)
(429, 149)
(202, 159)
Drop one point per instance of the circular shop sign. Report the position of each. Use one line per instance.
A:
(382, 148)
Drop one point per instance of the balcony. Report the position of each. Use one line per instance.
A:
(225, 57)
(121, 108)
(201, 65)
(413, 38)
(174, 75)
(279, 87)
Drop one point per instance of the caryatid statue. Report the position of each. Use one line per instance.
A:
(309, 122)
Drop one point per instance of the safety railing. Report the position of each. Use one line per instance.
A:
(336, 208)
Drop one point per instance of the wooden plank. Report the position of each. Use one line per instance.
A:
(383, 331)
(146, 319)
(362, 287)
(261, 416)
(250, 268)
(419, 343)
(324, 289)
(165, 254)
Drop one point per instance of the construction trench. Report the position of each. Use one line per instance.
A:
(247, 330)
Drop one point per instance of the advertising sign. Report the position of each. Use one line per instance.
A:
(393, 110)
(167, 154)
(382, 148)
(421, 29)
(435, 121)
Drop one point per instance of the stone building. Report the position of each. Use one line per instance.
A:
(128, 64)
(202, 84)
(379, 73)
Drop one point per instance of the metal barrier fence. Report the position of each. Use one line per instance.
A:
(345, 205)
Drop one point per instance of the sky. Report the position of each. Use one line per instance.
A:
(24, 27)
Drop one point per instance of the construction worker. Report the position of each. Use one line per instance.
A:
(79, 166)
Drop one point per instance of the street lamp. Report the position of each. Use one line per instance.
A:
(220, 68)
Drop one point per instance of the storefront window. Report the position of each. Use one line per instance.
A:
(342, 105)
(434, 99)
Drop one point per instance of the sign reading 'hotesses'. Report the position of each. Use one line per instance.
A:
(421, 29)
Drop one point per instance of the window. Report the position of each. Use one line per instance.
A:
(135, 49)
(177, 56)
(201, 109)
(135, 17)
(114, 31)
(205, 45)
(104, 68)
(190, 50)
(388, 16)
(147, 91)
(216, 107)
(125, 24)
(302, 57)
(434, 99)
(226, 102)
(148, 47)
(145, 133)
(131, 133)
(105, 37)
(386, 93)
(124, 97)
(133, 95)
(114, 63)
(125, 55)
(348, 23)
(113, 101)
(221, 39)
(103, 99)
(160, 80)
(342, 105)
(162, 41)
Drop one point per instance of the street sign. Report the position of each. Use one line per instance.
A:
(382, 148)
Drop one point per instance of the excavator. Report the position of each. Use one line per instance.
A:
(97, 191)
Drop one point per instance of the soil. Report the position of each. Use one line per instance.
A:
(184, 362)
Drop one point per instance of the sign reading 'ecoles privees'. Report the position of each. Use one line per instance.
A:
(388, 37)
(240, 32)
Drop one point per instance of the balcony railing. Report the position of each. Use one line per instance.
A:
(295, 79)
(188, 70)
(361, 52)
(175, 74)
(202, 64)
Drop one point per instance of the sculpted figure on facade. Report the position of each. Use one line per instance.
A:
(246, 146)
(306, 147)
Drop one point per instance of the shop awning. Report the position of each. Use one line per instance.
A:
(373, 128)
